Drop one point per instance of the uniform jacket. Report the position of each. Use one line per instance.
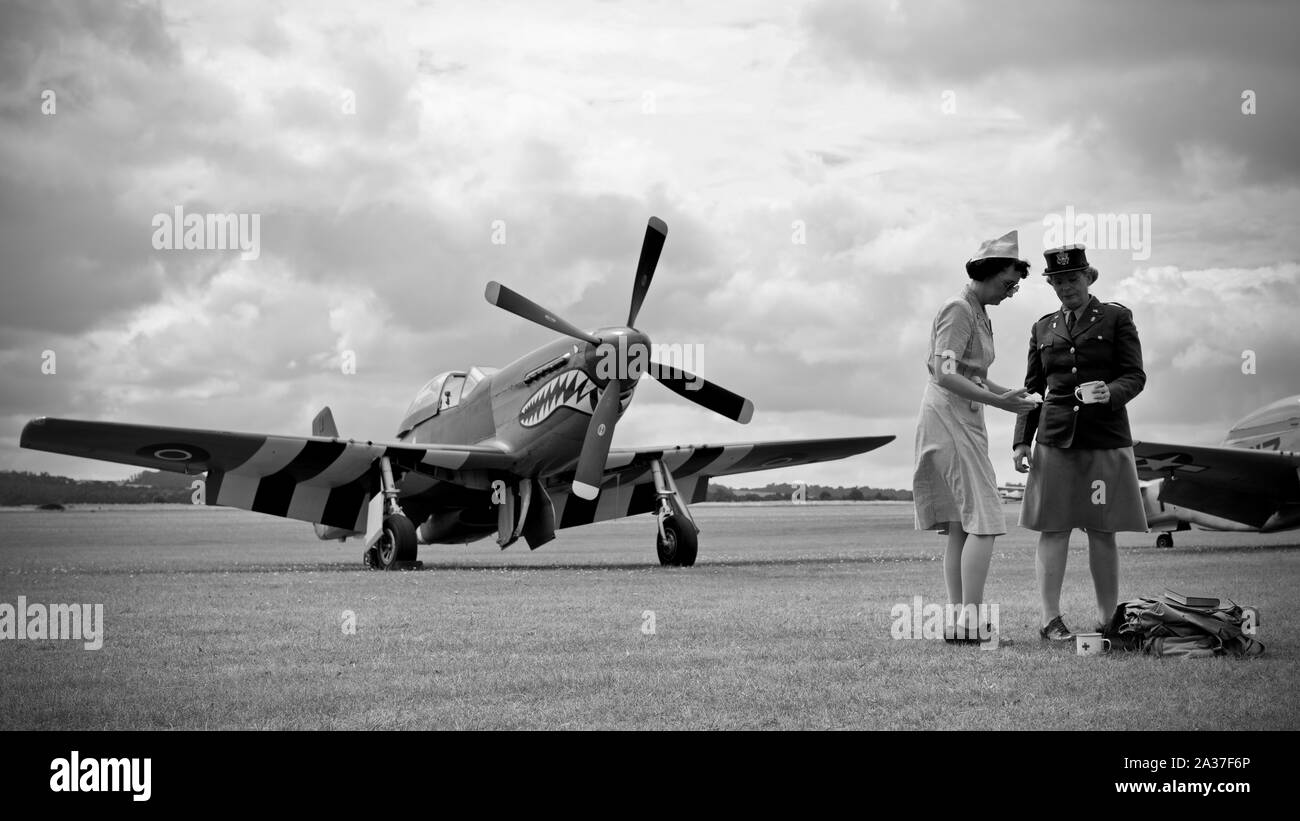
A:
(1103, 346)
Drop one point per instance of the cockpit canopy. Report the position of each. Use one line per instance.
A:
(441, 392)
(1273, 417)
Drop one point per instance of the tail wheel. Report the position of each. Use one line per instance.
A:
(396, 544)
(1165, 540)
(678, 545)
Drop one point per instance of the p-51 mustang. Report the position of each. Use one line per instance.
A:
(518, 451)
(1251, 483)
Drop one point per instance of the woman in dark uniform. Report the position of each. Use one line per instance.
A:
(1086, 361)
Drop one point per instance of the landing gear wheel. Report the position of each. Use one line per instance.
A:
(1165, 540)
(678, 545)
(396, 545)
(371, 558)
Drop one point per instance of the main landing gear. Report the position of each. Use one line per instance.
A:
(396, 547)
(676, 543)
(1165, 540)
(678, 540)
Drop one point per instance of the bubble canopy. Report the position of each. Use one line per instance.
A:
(1273, 414)
(440, 393)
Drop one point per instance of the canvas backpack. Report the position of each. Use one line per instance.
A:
(1160, 627)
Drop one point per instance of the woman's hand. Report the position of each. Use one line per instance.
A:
(1014, 401)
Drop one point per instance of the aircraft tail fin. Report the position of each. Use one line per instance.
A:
(323, 424)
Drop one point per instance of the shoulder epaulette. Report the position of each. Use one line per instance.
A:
(1047, 315)
(1118, 305)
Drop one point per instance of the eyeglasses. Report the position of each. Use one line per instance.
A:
(1013, 286)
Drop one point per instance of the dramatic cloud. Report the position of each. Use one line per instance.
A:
(824, 170)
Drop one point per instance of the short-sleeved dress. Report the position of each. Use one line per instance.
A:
(954, 479)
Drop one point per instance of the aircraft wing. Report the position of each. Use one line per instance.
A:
(628, 487)
(312, 478)
(1240, 484)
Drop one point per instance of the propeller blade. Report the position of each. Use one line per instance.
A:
(655, 233)
(519, 305)
(595, 447)
(704, 393)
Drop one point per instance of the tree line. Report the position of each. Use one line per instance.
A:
(782, 492)
(25, 488)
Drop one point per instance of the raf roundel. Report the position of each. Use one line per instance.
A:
(174, 452)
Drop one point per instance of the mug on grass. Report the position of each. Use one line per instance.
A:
(1090, 644)
(1087, 392)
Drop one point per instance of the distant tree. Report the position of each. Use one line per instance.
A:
(20, 488)
(855, 495)
(824, 496)
(720, 493)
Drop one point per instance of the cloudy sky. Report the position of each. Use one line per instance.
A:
(825, 168)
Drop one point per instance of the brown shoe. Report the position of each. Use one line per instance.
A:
(1056, 631)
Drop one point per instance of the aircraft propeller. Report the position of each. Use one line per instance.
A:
(519, 305)
(653, 244)
(600, 431)
(595, 446)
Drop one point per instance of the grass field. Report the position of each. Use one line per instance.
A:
(225, 619)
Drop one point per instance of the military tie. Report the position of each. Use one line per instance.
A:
(1069, 322)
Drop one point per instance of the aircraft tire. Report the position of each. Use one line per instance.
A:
(1165, 540)
(397, 545)
(681, 546)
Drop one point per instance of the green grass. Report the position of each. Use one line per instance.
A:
(222, 619)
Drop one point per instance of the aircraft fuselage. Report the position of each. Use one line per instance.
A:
(536, 408)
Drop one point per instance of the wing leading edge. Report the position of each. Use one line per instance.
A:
(311, 478)
(628, 486)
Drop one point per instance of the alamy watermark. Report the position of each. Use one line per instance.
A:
(1103, 232)
(36, 621)
(77, 774)
(919, 620)
(179, 231)
(661, 361)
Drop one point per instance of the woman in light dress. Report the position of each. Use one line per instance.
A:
(954, 486)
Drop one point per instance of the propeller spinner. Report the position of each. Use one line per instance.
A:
(600, 431)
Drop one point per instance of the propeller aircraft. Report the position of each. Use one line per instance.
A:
(1250, 483)
(519, 451)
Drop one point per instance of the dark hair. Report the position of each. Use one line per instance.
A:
(982, 269)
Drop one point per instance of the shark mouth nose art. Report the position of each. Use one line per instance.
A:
(571, 389)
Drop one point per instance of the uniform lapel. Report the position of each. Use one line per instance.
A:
(1058, 325)
(1088, 319)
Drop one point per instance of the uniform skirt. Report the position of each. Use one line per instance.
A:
(1078, 487)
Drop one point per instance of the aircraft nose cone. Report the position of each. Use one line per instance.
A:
(623, 353)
